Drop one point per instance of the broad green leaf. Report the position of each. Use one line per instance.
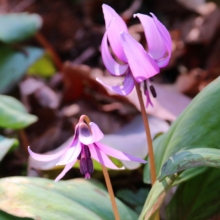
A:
(42, 198)
(196, 199)
(6, 144)
(198, 126)
(14, 63)
(16, 27)
(189, 159)
(42, 67)
(13, 114)
(156, 197)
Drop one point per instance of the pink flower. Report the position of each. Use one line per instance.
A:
(84, 147)
(139, 65)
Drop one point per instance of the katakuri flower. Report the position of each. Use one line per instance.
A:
(84, 147)
(138, 65)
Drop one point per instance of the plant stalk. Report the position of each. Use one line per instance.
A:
(111, 193)
(148, 135)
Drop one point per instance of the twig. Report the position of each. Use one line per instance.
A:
(43, 41)
(147, 129)
(111, 193)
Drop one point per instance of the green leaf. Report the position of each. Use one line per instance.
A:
(16, 27)
(13, 114)
(42, 198)
(190, 158)
(198, 126)
(14, 63)
(42, 67)
(6, 144)
(156, 197)
(196, 199)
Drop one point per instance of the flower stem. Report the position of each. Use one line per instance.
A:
(111, 193)
(147, 129)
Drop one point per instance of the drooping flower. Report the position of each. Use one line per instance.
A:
(84, 147)
(138, 64)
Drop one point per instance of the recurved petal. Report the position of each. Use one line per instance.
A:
(85, 135)
(71, 154)
(96, 132)
(141, 64)
(111, 65)
(124, 88)
(163, 31)
(114, 26)
(48, 157)
(65, 170)
(102, 158)
(163, 62)
(117, 154)
(155, 42)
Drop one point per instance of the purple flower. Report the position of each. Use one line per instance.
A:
(84, 147)
(138, 65)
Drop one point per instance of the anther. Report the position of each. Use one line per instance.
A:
(153, 91)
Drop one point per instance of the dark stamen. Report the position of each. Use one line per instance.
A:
(83, 166)
(145, 85)
(153, 91)
(90, 166)
(87, 151)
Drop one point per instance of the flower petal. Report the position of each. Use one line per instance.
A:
(168, 42)
(102, 158)
(141, 64)
(65, 170)
(156, 46)
(71, 154)
(48, 157)
(118, 154)
(163, 31)
(115, 25)
(111, 65)
(124, 89)
(85, 135)
(96, 132)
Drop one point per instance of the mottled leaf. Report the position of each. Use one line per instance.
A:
(189, 159)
